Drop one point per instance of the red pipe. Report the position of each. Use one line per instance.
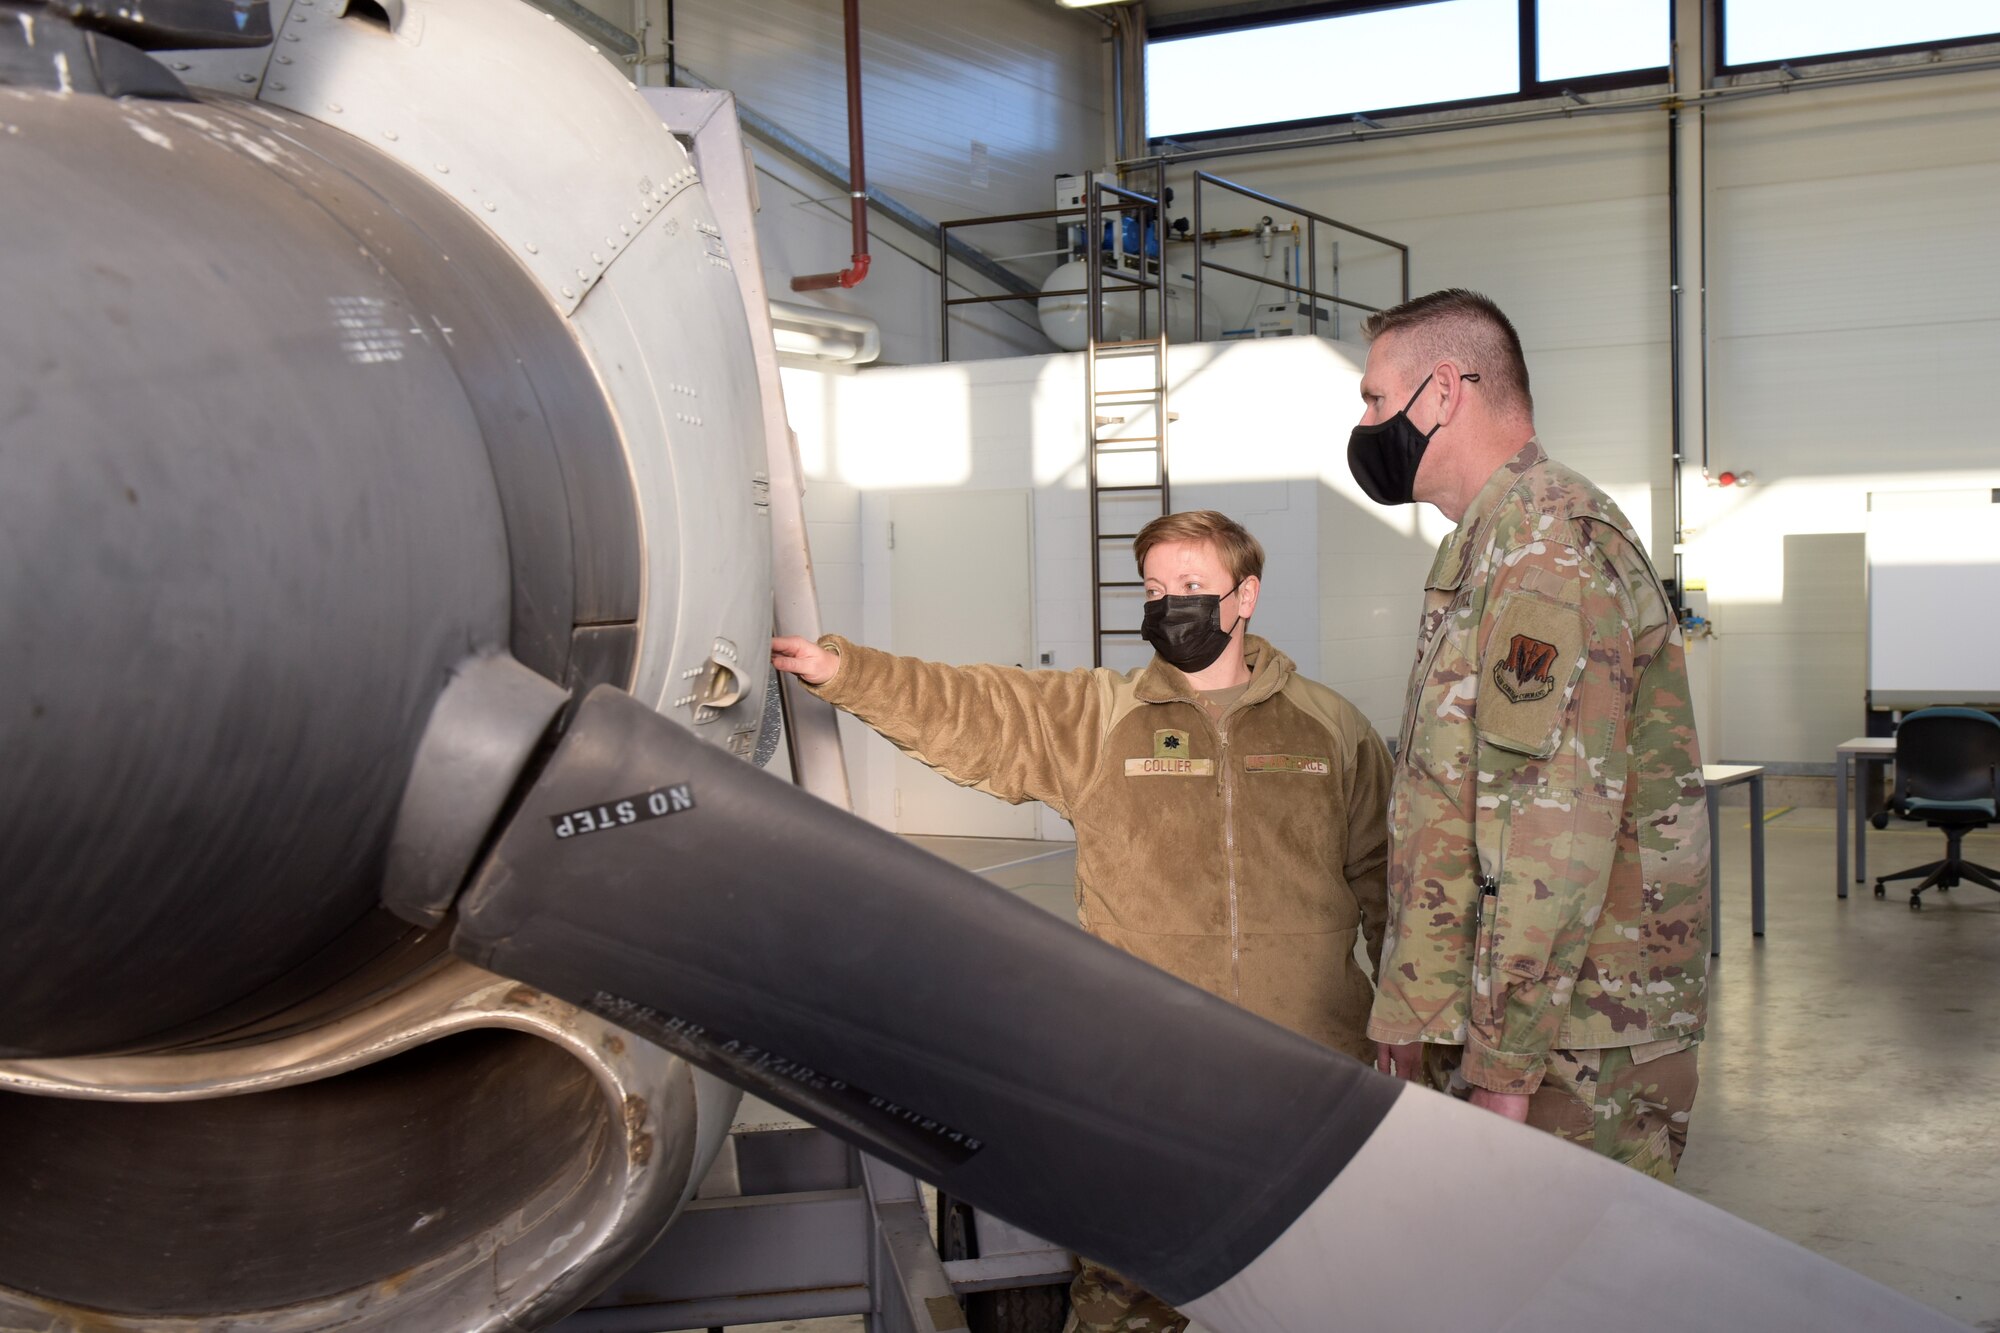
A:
(857, 187)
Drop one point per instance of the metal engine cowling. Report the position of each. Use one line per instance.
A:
(425, 355)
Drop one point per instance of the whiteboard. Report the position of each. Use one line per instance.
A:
(1934, 597)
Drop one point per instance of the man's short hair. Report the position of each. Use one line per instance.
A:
(1464, 327)
(1241, 553)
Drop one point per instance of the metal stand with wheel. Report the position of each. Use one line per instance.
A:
(982, 1252)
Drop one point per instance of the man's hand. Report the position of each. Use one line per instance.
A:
(1510, 1105)
(1401, 1061)
(805, 659)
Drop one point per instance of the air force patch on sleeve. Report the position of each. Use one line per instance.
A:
(1534, 657)
(1527, 673)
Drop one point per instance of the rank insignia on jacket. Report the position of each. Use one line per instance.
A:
(1170, 759)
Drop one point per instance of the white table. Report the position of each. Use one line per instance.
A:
(1715, 777)
(1851, 768)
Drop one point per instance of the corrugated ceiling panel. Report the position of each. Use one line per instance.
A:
(1021, 77)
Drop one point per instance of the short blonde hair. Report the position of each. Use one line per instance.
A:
(1241, 553)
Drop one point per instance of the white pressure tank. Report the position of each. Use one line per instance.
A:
(1063, 319)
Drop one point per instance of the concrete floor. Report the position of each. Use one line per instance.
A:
(1850, 1095)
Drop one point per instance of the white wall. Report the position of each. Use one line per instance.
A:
(969, 110)
(1854, 286)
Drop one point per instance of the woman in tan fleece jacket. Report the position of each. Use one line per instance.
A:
(1231, 815)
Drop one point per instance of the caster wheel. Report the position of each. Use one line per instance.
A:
(1916, 903)
(1878, 891)
(954, 1230)
(1021, 1310)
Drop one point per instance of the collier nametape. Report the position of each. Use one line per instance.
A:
(1169, 768)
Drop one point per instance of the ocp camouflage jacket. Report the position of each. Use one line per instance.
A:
(1549, 879)
(1242, 856)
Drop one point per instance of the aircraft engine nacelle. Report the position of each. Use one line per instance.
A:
(404, 359)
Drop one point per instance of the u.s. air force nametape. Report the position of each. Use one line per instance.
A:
(1285, 763)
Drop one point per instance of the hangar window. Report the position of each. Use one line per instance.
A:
(1586, 39)
(1323, 62)
(1767, 32)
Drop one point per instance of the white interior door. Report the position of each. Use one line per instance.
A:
(960, 592)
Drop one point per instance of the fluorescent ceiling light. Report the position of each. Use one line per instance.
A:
(1090, 4)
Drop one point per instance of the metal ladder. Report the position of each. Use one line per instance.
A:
(1124, 385)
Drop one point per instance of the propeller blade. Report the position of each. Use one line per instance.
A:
(1250, 1176)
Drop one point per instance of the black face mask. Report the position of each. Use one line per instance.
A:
(1385, 457)
(1187, 630)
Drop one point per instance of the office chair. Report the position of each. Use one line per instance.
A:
(1947, 775)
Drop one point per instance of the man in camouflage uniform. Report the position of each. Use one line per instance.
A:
(1229, 813)
(1548, 886)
